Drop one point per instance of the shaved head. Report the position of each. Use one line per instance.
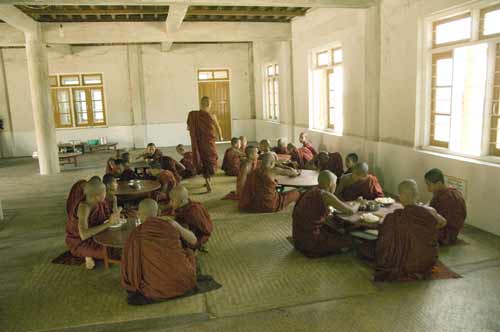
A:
(205, 101)
(267, 160)
(408, 192)
(265, 145)
(360, 169)
(281, 142)
(290, 147)
(179, 196)
(94, 187)
(148, 208)
(251, 152)
(327, 180)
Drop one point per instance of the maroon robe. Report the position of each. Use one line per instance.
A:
(195, 216)
(335, 164)
(128, 175)
(259, 194)
(311, 235)
(450, 204)
(154, 262)
(235, 195)
(231, 162)
(407, 245)
(280, 150)
(187, 162)
(368, 188)
(86, 248)
(155, 156)
(202, 131)
(168, 182)
(75, 196)
(311, 148)
(301, 156)
(171, 165)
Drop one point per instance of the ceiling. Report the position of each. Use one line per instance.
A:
(100, 13)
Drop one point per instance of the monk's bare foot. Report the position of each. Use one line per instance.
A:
(89, 263)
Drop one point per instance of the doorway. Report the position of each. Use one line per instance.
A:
(214, 83)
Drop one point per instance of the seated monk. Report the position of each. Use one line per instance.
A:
(111, 167)
(350, 161)
(299, 156)
(155, 265)
(359, 184)
(232, 158)
(243, 144)
(407, 245)
(111, 184)
(152, 153)
(75, 196)
(92, 217)
(448, 202)
(186, 161)
(306, 144)
(330, 161)
(249, 164)
(167, 180)
(280, 147)
(172, 165)
(192, 215)
(128, 173)
(259, 193)
(311, 235)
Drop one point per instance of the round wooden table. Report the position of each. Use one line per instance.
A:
(147, 187)
(306, 179)
(114, 238)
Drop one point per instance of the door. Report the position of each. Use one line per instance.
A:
(215, 85)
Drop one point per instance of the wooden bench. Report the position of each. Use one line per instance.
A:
(69, 158)
(99, 147)
(71, 147)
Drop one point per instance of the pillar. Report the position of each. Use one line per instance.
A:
(45, 132)
(136, 89)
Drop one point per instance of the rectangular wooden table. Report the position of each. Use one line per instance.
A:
(107, 147)
(69, 158)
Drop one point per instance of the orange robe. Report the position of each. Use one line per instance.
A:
(171, 165)
(259, 194)
(155, 156)
(301, 156)
(311, 235)
(407, 245)
(310, 147)
(128, 175)
(202, 131)
(154, 262)
(168, 182)
(368, 188)
(86, 248)
(280, 150)
(75, 196)
(235, 195)
(451, 205)
(231, 162)
(195, 216)
(335, 164)
(187, 162)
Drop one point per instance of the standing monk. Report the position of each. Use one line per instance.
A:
(359, 184)
(448, 202)
(192, 215)
(407, 245)
(155, 266)
(248, 165)
(259, 193)
(93, 216)
(306, 144)
(232, 158)
(311, 235)
(186, 161)
(203, 128)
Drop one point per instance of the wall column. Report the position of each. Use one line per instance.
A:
(136, 88)
(287, 116)
(6, 136)
(36, 51)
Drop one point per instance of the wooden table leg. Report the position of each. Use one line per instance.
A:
(106, 258)
(76, 161)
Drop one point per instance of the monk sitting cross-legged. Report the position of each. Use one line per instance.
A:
(359, 184)
(111, 184)
(259, 192)
(448, 202)
(232, 158)
(407, 245)
(192, 215)
(167, 180)
(249, 164)
(311, 235)
(186, 161)
(93, 216)
(127, 174)
(306, 144)
(155, 266)
(280, 147)
(172, 165)
(299, 156)
(151, 154)
(330, 161)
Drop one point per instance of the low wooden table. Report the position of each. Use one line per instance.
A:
(107, 146)
(114, 238)
(306, 179)
(69, 158)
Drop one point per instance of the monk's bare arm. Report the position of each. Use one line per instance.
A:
(180, 166)
(332, 200)
(186, 234)
(85, 231)
(286, 172)
(441, 221)
(343, 183)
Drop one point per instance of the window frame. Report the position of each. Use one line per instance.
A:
(494, 116)
(61, 77)
(448, 20)
(92, 84)
(55, 106)
(482, 14)
(212, 71)
(272, 98)
(330, 59)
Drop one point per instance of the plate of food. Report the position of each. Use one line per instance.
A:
(369, 218)
(385, 200)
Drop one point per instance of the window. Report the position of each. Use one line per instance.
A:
(213, 75)
(327, 90)
(79, 101)
(465, 83)
(272, 92)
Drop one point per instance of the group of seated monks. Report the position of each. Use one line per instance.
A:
(159, 257)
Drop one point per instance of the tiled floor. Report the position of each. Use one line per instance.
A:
(267, 286)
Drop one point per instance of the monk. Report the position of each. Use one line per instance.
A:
(167, 180)
(330, 161)
(243, 144)
(448, 202)
(75, 196)
(203, 128)
(259, 193)
(280, 147)
(111, 184)
(407, 245)
(249, 164)
(128, 173)
(299, 156)
(306, 144)
(151, 154)
(155, 266)
(172, 165)
(359, 184)
(311, 235)
(350, 161)
(92, 217)
(111, 167)
(192, 215)
(186, 161)
(232, 158)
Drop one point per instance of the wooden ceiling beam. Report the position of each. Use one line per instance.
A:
(19, 20)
